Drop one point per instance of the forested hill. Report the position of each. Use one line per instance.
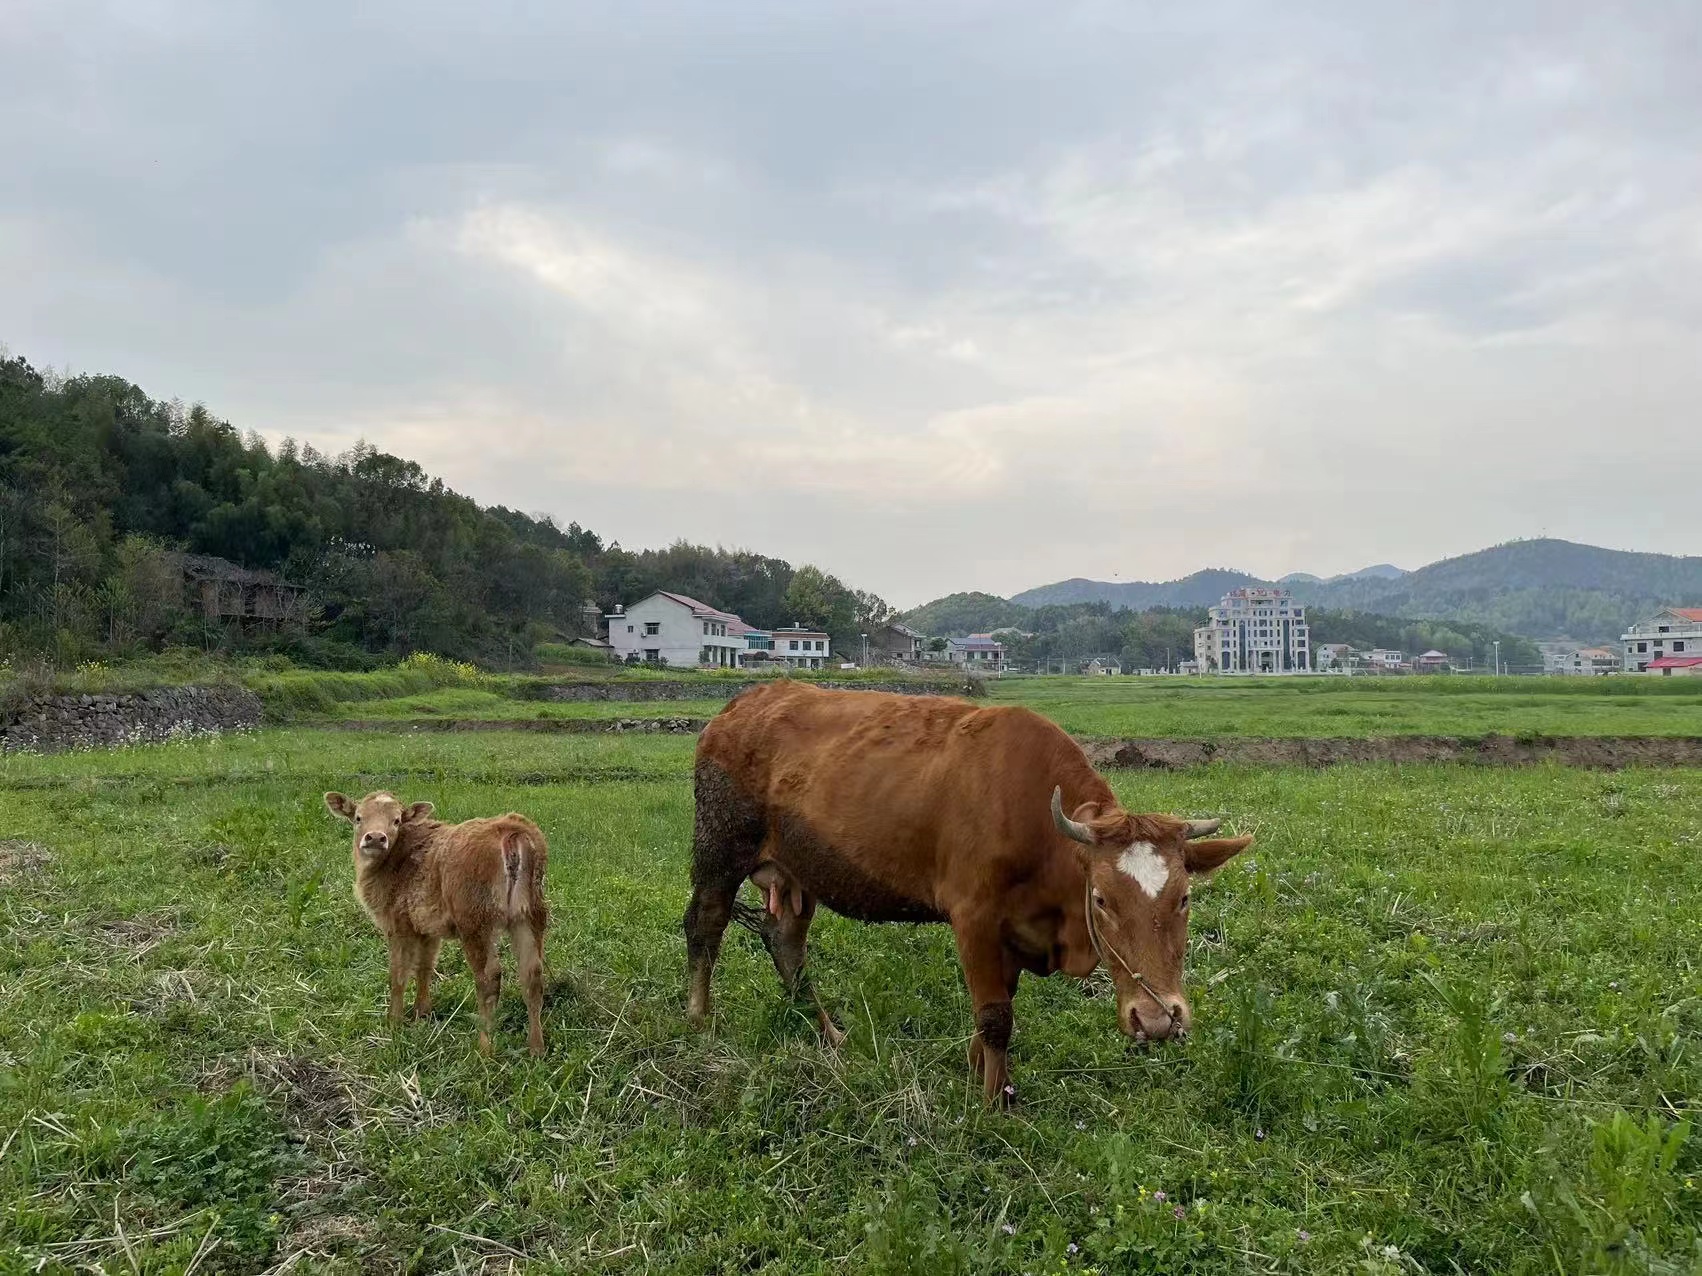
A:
(1537, 588)
(98, 483)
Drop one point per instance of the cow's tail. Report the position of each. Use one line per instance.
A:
(520, 853)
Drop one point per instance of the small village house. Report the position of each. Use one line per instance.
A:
(1432, 661)
(897, 642)
(1588, 662)
(676, 630)
(220, 590)
(1102, 667)
(1673, 631)
(978, 651)
(1676, 666)
(1383, 660)
(802, 648)
(1335, 657)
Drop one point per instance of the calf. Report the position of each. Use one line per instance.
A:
(421, 880)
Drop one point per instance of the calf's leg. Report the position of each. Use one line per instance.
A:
(983, 956)
(425, 967)
(528, 940)
(486, 965)
(402, 948)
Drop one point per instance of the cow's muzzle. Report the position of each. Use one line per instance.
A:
(1163, 1018)
(374, 843)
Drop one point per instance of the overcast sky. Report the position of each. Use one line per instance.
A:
(943, 296)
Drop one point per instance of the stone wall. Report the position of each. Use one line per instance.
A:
(53, 724)
(725, 689)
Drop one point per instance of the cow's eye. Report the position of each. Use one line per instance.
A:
(1099, 901)
(1186, 896)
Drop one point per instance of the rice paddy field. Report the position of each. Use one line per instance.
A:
(1194, 708)
(1448, 1019)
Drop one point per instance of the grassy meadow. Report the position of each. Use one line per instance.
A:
(1362, 706)
(1446, 1021)
(1088, 707)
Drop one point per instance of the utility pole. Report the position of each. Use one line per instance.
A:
(1497, 643)
(865, 663)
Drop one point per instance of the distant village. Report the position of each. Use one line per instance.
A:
(1258, 631)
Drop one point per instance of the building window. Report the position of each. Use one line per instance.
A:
(794, 645)
(1642, 648)
(1678, 644)
(652, 628)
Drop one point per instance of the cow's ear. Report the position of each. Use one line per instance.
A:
(1209, 856)
(418, 811)
(339, 805)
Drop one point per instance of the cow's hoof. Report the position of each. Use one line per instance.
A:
(832, 1035)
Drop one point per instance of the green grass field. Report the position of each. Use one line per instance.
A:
(1206, 707)
(1447, 1021)
(1192, 708)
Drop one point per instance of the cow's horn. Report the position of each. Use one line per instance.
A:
(1203, 828)
(1071, 829)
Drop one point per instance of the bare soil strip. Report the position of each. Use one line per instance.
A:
(1600, 753)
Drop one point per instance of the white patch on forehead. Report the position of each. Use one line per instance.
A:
(1143, 863)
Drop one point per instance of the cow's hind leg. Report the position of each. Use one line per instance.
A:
(726, 838)
(527, 937)
(486, 965)
(784, 935)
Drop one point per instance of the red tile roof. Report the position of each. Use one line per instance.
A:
(702, 611)
(1675, 662)
(1689, 613)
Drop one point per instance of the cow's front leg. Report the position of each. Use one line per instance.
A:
(402, 947)
(984, 970)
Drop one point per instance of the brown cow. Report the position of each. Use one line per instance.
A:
(422, 880)
(926, 809)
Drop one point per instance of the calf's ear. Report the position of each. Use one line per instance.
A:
(418, 811)
(337, 804)
(1209, 856)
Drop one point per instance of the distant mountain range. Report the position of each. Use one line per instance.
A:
(1379, 571)
(1537, 588)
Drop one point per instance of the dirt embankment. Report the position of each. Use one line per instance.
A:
(1599, 753)
(1602, 753)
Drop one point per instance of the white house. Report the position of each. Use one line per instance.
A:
(1675, 631)
(1383, 660)
(1334, 656)
(673, 629)
(1259, 630)
(802, 648)
(1589, 661)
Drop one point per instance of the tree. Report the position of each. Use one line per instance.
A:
(809, 598)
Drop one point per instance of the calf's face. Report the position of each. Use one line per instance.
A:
(378, 819)
(1140, 871)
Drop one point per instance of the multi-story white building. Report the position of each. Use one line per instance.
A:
(675, 630)
(1254, 631)
(1675, 631)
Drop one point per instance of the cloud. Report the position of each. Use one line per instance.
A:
(958, 297)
